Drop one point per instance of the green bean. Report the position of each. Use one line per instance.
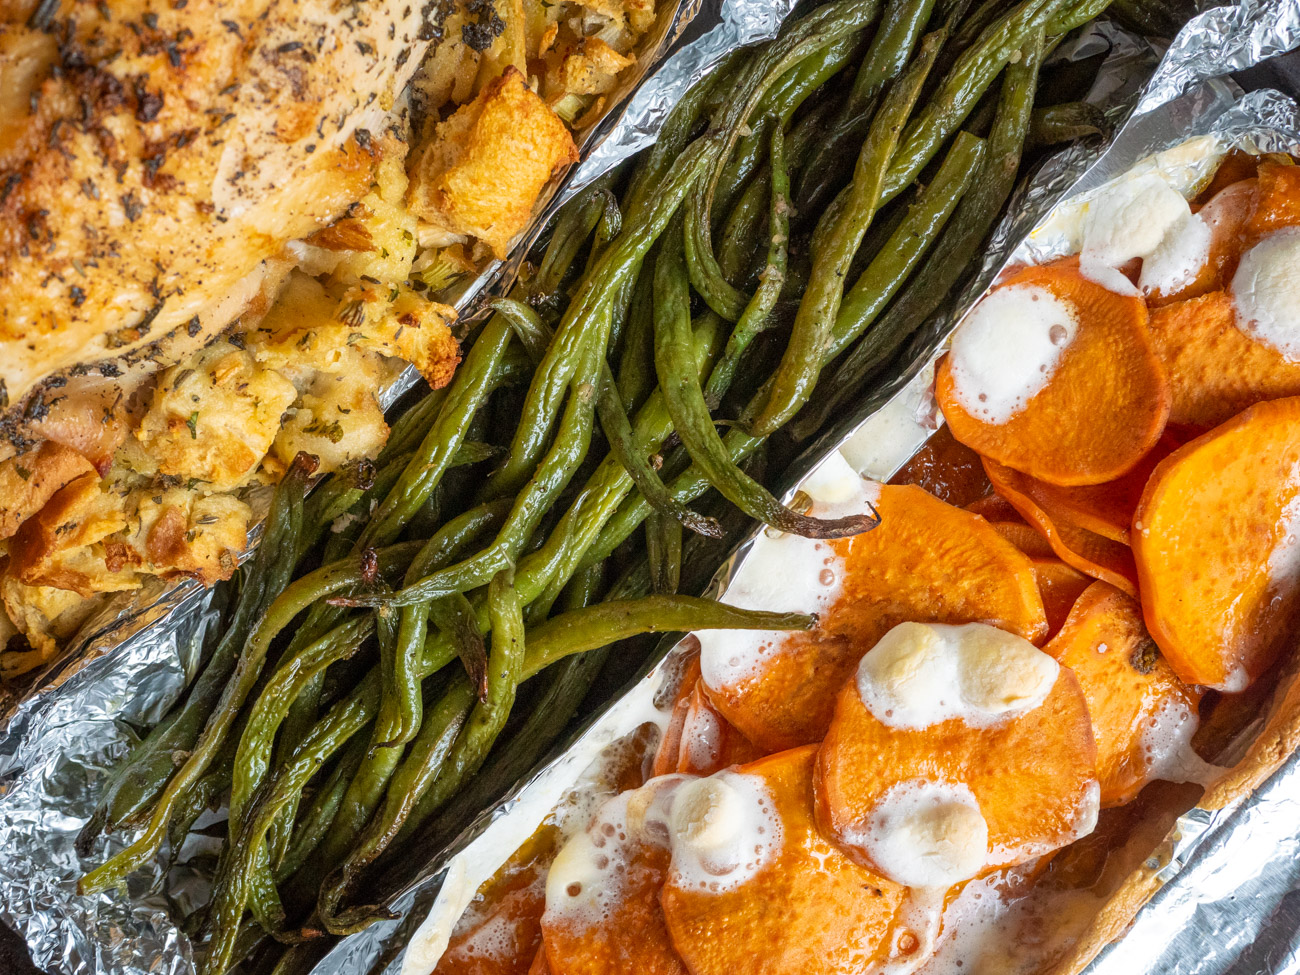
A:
(686, 487)
(543, 575)
(678, 128)
(908, 244)
(741, 227)
(533, 334)
(900, 27)
(685, 400)
(959, 245)
(462, 759)
(408, 429)
(815, 321)
(455, 617)
(550, 478)
(294, 599)
(588, 313)
(255, 746)
(574, 225)
(821, 28)
(1075, 15)
(551, 714)
(635, 376)
(755, 316)
(597, 626)
(232, 886)
(203, 796)
(466, 394)
(254, 753)
(428, 752)
(776, 108)
(1054, 124)
(969, 78)
(313, 823)
(663, 538)
(623, 445)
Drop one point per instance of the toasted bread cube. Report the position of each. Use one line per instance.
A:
(488, 162)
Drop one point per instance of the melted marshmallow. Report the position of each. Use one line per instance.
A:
(1284, 560)
(722, 831)
(1167, 746)
(926, 834)
(785, 574)
(584, 883)
(920, 674)
(1007, 349)
(1266, 292)
(1174, 264)
(1136, 217)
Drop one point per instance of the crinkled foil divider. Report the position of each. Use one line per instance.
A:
(132, 659)
(901, 410)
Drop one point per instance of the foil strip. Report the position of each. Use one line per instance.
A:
(1219, 42)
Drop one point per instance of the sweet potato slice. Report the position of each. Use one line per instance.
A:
(927, 561)
(1061, 586)
(618, 926)
(809, 911)
(1277, 202)
(1215, 542)
(668, 754)
(1103, 509)
(1025, 538)
(949, 470)
(1226, 214)
(1090, 553)
(501, 931)
(708, 741)
(994, 508)
(1031, 772)
(1102, 407)
(1137, 703)
(1215, 369)
(1236, 166)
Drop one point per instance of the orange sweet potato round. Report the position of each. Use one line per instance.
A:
(1215, 541)
(811, 911)
(1277, 201)
(629, 935)
(708, 741)
(926, 562)
(1126, 682)
(1226, 213)
(1033, 774)
(668, 753)
(1092, 554)
(1103, 407)
(1061, 586)
(1215, 369)
(501, 932)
